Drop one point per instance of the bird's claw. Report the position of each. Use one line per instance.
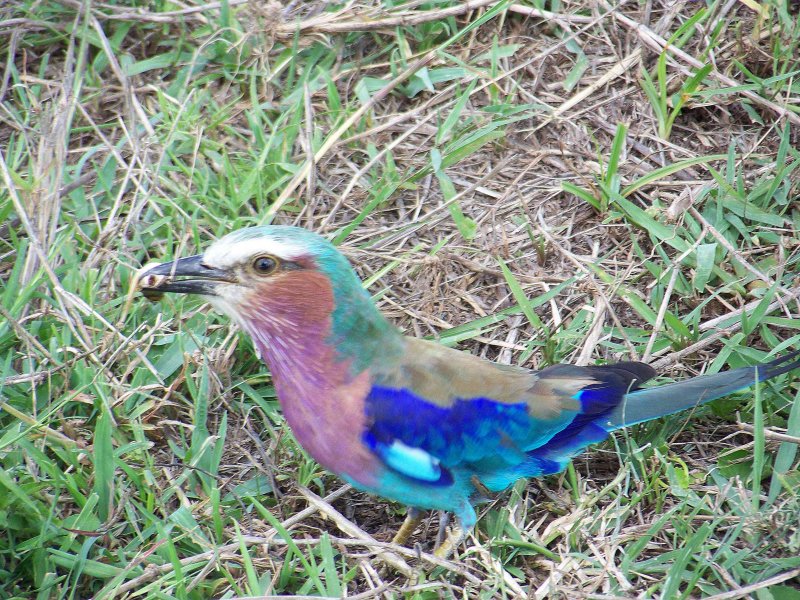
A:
(456, 535)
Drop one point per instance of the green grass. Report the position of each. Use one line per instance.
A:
(143, 452)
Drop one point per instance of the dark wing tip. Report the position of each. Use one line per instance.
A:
(638, 371)
(779, 366)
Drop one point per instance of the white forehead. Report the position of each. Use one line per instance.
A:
(228, 252)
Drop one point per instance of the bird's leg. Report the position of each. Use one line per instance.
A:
(413, 519)
(444, 521)
(465, 521)
(454, 538)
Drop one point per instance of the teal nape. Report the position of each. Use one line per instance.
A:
(405, 418)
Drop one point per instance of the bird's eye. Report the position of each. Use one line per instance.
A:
(264, 265)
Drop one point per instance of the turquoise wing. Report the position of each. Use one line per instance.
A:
(442, 412)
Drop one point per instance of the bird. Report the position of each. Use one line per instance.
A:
(408, 419)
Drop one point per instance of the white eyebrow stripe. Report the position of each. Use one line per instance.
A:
(224, 253)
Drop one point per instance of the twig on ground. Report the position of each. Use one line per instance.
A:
(770, 433)
(733, 251)
(152, 571)
(351, 529)
(392, 550)
(674, 357)
(328, 24)
(793, 294)
(747, 590)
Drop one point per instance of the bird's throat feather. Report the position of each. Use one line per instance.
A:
(291, 323)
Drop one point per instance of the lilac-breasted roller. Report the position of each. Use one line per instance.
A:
(405, 418)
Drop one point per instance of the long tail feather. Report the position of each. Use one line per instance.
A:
(650, 403)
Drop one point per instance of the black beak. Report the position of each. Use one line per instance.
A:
(201, 279)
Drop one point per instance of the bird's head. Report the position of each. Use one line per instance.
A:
(280, 283)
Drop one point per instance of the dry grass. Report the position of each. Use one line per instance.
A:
(143, 450)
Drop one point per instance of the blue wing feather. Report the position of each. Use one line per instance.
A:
(467, 431)
(498, 442)
(409, 460)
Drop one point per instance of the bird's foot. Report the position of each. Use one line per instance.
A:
(454, 538)
(413, 519)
